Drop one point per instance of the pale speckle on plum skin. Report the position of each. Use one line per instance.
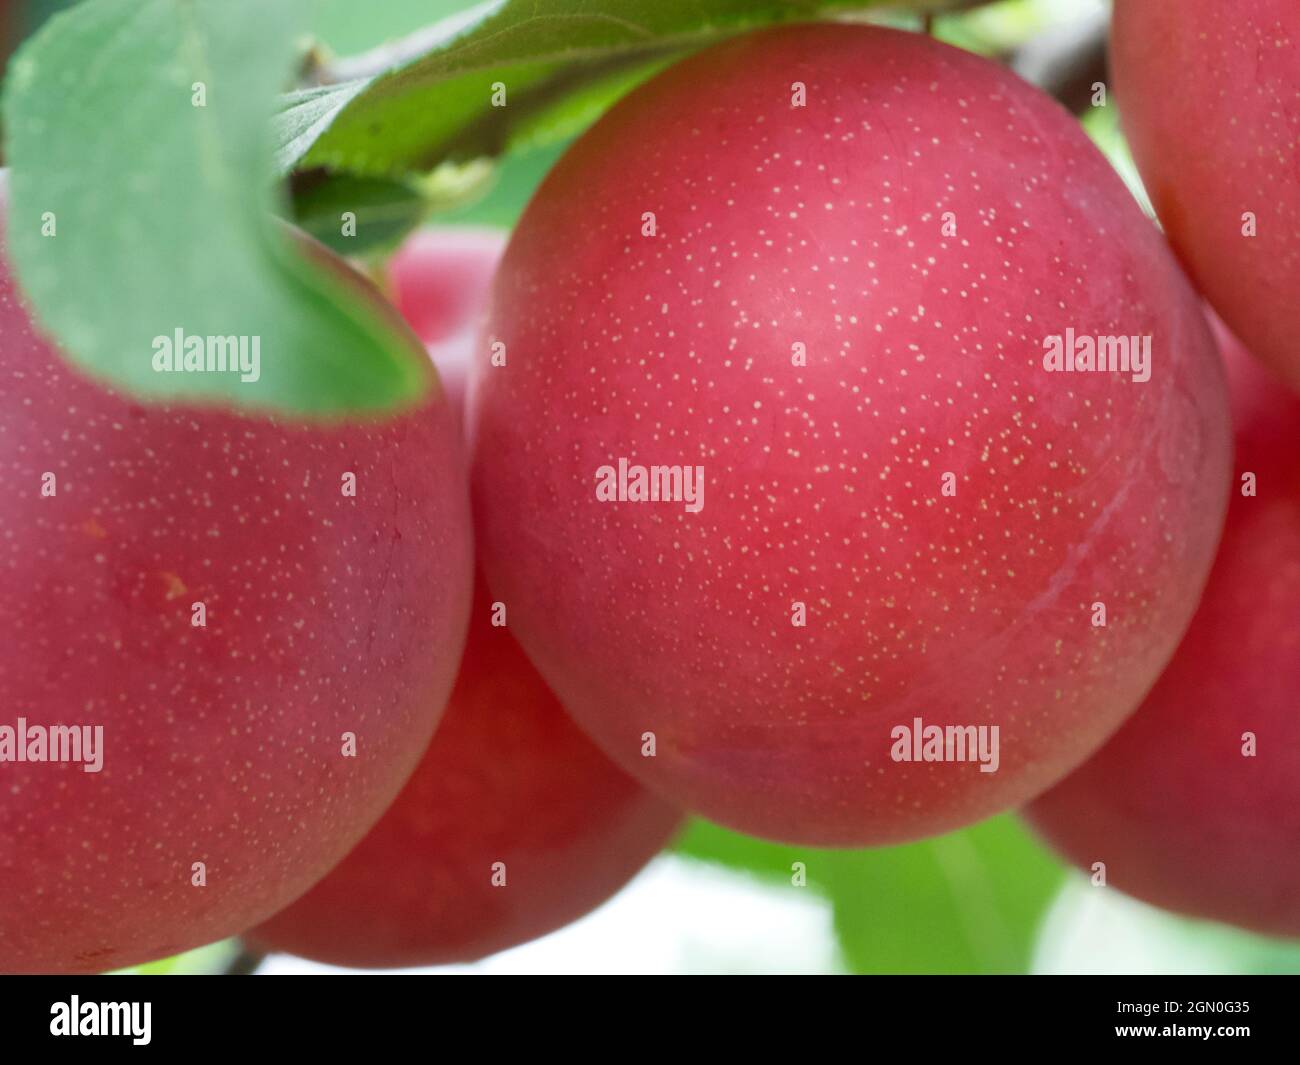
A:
(222, 745)
(650, 618)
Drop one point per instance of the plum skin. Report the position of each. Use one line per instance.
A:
(439, 280)
(222, 745)
(823, 226)
(1208, 100)
(1180, 817)
(507, 777)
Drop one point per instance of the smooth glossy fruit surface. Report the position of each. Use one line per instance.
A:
(224, 790)
(440, 279)
(513, 825)
(1173, 805)
(823, 265)
(508, 777)
(1210, 98)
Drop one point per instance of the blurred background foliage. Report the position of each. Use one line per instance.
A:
(988, 899)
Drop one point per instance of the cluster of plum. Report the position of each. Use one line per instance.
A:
(815, 268)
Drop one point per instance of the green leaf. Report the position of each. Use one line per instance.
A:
(163, 209)
(569, 113)
(512, 182)
(432, 97)
(967, 902)
(201, 961)
(385, 211)
(347, 26)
